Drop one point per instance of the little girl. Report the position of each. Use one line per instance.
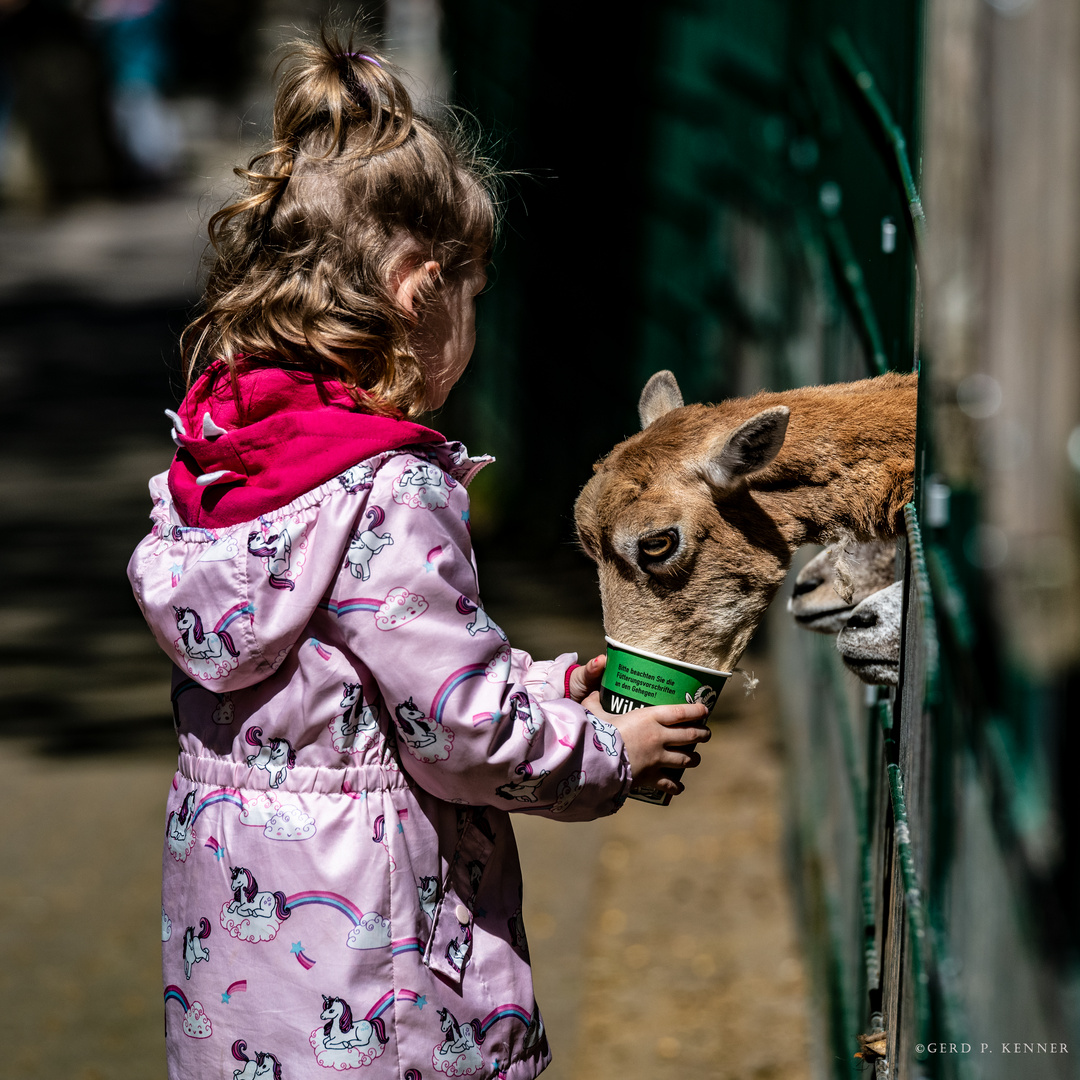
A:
(341, 884)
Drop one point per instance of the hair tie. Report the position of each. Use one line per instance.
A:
(361, 56)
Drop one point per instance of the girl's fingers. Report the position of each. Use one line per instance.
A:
(665, 784)
(677, 759)
(670, 715)
(689, 736)
(585, 680)
(593, 672)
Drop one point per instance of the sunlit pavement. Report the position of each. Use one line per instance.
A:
(662, 939)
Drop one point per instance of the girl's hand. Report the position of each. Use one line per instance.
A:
(585, 680)
(658, 737)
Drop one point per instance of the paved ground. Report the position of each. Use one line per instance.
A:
(663, 938)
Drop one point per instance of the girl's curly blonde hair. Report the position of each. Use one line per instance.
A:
(356, 187)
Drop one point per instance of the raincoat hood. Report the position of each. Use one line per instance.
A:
(230, 466)
(258, 465)
(229, 601)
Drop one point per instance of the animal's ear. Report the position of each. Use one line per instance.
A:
(748, 449)
(661, 395)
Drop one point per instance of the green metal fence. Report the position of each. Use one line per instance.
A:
(764, 214)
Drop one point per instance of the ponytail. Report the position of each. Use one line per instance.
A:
(354, 182)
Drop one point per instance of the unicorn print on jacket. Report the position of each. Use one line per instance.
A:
(263, 1066)
(476, 872)
(457, 952)
(428, 891)
(379, 835)
(568, 790)
(211, 654)
(180, 828)
(276, 756)
(358, 478)
(459, 1053)
(366, 544)
(252, 915)
(518, 704)
(604, 736)
(523, 790)
(422, 485)
(481, 622)
(426, 739)
(274, 543)
(344, 1042)
(357, 727)
(225, 712)
(194, 949)
(498, 667)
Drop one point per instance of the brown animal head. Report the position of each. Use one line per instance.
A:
(815, 603)
(693, 521)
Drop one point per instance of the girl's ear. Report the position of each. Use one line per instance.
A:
(408, 283)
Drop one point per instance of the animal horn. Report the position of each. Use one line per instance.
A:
(660, 396)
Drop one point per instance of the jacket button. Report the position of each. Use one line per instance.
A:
(463, 914)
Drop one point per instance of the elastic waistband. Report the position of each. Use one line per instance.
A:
(221, 772)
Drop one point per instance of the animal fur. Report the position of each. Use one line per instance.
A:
(870, 642)
(693, 521)
(816, 605)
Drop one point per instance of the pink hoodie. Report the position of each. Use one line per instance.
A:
(230, 466)
(341, 884)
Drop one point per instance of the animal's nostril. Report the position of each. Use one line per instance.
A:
(803, 587)
(862, 620)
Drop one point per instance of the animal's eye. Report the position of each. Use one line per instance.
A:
(659, 545)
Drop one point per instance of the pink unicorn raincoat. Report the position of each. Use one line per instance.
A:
(341, 885)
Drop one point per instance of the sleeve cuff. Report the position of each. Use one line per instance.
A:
(566, 681)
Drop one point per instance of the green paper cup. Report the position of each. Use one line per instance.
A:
(634, 678)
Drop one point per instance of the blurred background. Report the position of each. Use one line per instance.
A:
(755, 196)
